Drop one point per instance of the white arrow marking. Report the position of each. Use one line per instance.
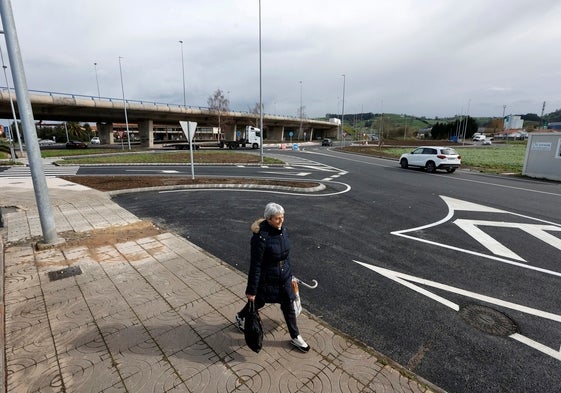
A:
(536, 230)
(471, 228)
(404, 279)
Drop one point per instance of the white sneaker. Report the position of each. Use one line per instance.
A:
(240, 322)
(299, 343)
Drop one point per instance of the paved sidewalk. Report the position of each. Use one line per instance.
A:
(151, 314)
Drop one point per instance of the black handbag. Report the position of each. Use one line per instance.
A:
(253, 329)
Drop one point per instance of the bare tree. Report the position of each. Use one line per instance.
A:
(217, 102)
(255, 111)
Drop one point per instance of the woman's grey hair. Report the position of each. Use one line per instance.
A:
(272, 209)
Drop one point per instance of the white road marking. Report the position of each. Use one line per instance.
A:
(500, 251)
(319, 168)
(472, 229)
(288, 173)
(536, 345)
(396, 276)
(406, 280)
(152, 170)
(536, 230)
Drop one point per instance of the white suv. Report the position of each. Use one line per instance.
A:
(432, 158)
(478, 137)
(95, 141)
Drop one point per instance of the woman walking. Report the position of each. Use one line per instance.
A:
(270, 273)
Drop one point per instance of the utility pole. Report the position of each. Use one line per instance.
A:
(261, 130)
(343, 109)
(97, 82)
(4, 67)
(124, 104)
(46, 216)
(301, 112)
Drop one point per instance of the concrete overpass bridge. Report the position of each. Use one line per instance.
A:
(151, 116)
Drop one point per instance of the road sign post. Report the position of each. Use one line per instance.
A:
(189, 128)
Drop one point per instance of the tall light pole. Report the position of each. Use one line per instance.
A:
(343, 108)
(124, 102)
(97, 81)
(4, 66)
(44, 208)
(183, 73)
(260, 93)
(301, 111)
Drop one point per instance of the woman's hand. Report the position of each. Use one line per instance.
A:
(251, 298)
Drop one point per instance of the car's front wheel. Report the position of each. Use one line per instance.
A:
(430, 167)
(404, 164)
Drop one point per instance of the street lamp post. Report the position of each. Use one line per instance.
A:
(124, 103)
(301, 111)
(4, 66)
(97, 81)
(189, 138)
(42, 199)
(343, 109)
(183, 73)
(260, 94)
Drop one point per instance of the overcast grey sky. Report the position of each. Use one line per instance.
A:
(419, 57)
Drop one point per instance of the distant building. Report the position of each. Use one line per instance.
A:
(554, 125)
(513, 122)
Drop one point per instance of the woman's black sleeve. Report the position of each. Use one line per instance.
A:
(257, 251)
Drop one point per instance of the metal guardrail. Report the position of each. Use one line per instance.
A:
(142, 102)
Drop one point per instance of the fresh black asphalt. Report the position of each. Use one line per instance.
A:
(330, 232)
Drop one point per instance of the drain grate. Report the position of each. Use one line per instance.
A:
(488, 320)
(64, 273)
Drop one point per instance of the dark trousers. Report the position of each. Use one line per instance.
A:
(287, 310)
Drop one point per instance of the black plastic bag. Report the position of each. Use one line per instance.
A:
(253, 329)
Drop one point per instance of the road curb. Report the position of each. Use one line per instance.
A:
(321, 187)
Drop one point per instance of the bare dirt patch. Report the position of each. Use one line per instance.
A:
(96, 238)
(111, 235)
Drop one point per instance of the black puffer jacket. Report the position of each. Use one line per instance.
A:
(270, 273)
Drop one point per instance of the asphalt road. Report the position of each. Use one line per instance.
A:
(459, 274)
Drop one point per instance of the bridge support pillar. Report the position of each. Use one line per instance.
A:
(105, 131)
(275, 133)
(311, 135)
(146, 133)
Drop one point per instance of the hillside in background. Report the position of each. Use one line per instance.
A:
(391, 125)
(553, 116)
